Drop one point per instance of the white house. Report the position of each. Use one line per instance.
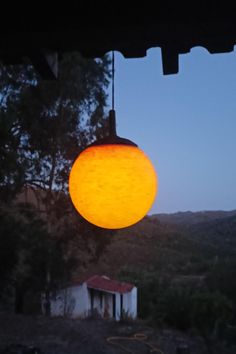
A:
(98, 294)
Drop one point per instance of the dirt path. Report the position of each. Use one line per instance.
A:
(67, 336)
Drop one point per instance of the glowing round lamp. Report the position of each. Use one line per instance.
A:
(112, 183)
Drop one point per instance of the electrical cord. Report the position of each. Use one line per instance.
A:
(139, 337)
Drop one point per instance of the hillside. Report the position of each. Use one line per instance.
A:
(173, 247)
(220, 232)
(191, 218)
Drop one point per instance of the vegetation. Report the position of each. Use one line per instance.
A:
(184, 265)
(187, 281)
(43, 127)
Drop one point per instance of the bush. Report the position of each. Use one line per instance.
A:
(174, 307)
(208, 311)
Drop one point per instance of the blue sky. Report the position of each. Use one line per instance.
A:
(185, 123)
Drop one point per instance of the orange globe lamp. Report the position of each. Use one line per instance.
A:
(112, 183)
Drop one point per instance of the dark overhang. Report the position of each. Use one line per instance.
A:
(93, 31)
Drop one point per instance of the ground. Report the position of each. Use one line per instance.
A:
(90, 336)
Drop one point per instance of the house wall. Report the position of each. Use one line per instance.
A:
(71, 302)
(134, 303)
(76, 302)
(82, 305)
(130, 303)
(118, 312)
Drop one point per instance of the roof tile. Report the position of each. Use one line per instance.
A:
(106, 284)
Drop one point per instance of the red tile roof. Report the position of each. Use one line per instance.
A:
(106, 284)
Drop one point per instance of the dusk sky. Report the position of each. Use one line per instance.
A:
(185, 123)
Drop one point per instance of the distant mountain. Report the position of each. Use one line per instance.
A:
(216, 229)
(220, 232)
(191, 218)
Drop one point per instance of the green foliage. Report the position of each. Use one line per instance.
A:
(178, 304)
(208, 310)
(150, 288)
(174, 307)
(10, 228)
(11, 168)
(45, 124)
(29, 254)
(126, 318)
(222, 278)
(43, 127)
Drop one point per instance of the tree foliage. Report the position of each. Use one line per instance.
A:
(45, 124)
(28, 252)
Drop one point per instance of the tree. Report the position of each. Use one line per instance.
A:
(11, 169)
(43, 127)
(10, 228)
(207, 313)
(222, 278)
(48, 123)
(173, 306)
(27, 252)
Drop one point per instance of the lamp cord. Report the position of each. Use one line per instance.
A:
(113, 79)
(112, 114)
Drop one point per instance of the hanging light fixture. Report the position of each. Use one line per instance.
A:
(112, 182)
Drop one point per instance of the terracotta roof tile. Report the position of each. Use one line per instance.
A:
(104, 283)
